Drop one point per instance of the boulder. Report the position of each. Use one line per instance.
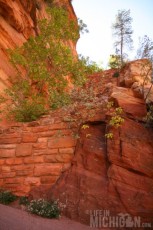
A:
(136, 71)
(132, 106)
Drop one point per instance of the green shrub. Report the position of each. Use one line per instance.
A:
(23, 200)
(116, 119)
(28, 112)
(6, 197)
(44, 208)
(114, 61)
(116, 74)
(58, 99)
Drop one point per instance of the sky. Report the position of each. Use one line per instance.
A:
(99, 16)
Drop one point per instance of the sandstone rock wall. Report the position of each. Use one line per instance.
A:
(35, 154)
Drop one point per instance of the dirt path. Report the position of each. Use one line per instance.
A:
(15, 219)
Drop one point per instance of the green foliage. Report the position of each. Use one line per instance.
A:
(109, 135)
(114, 61)
(44, 208)
(59, 99)
(116, 119)
(26, 110)
(82, 26)
(6, 197)
(116, 74)
(86, 102)
(42, 64)
(122, 32)
(23, 200)
(109, 105)
(85, 126)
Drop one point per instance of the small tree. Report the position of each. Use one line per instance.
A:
(122, 32)
(114, 61)
(145, 50)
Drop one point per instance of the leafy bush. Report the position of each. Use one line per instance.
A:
(114, 61)
(116, 119)
(26, 111)
(6, 197)
(116, 74)
(109, 135)
(44, 208)
(59, 99)
(23, 200)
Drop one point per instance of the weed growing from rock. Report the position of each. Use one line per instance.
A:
(116, 119)
(6, 197)
(23, 200)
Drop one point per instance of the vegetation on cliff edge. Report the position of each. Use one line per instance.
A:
(46, 68)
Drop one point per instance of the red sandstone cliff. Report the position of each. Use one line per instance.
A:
(99, 174)
(18, 21)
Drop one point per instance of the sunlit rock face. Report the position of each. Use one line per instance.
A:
(18, 21)
(136, 71)
(138, 76)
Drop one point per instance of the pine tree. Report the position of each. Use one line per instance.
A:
(122, 32)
